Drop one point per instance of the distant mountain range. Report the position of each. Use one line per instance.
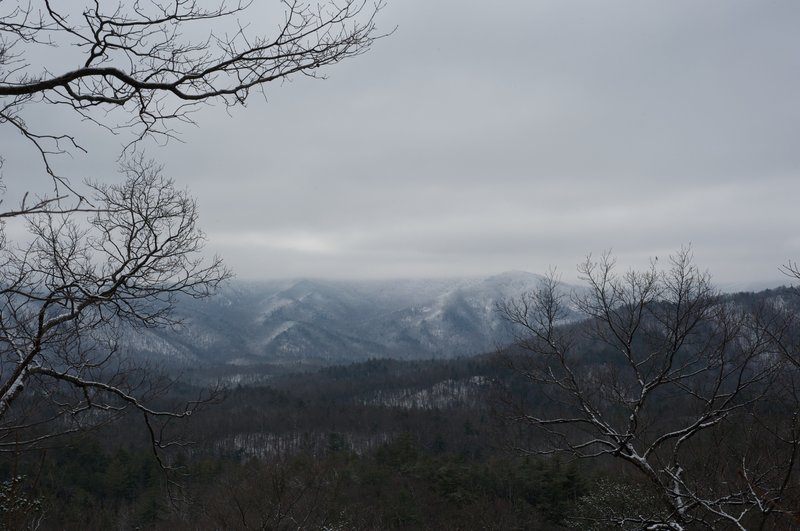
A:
(333, 321)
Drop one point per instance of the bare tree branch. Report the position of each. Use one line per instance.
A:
(73, 282)
(138, 58)
(666, 336)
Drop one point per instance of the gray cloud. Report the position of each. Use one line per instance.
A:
(517, 135)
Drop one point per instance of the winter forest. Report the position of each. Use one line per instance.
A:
(264, 265)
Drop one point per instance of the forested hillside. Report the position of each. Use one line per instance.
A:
(381, 444)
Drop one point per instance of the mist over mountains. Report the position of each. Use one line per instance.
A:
(332, 321)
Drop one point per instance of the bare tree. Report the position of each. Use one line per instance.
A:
(97, 257)
(667, 376)
(66, 291)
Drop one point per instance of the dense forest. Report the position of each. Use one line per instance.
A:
(380, 444)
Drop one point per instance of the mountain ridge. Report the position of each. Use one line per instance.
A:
(333, 321)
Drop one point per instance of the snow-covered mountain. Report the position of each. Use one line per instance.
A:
(334, 320)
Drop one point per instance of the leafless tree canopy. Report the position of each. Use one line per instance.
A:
(144, 65)
(67, 289)
(666, 375)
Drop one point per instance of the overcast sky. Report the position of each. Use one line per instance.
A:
(489, 136)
